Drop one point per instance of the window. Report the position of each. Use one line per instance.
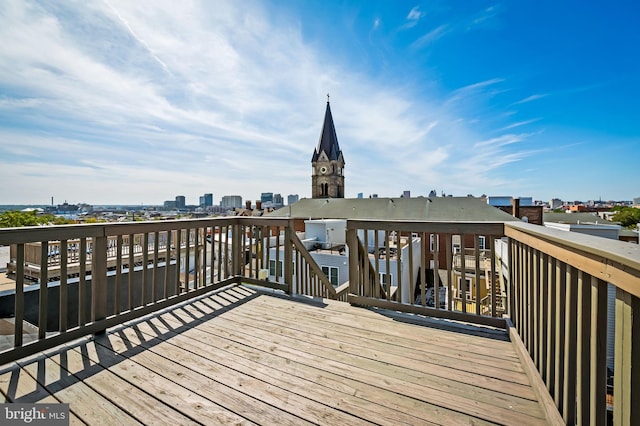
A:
(272, 268)
(482, 242)
(332, 273)
(433, 239)
(383, 278)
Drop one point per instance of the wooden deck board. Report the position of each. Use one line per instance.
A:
(242, 357)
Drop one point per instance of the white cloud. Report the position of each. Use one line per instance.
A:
(431, 36)
(531, 98)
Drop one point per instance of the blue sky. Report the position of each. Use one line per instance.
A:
(136, 102)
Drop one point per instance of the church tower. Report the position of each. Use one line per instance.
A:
(327, 163)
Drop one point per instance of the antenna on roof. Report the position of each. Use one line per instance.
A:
(327, 98)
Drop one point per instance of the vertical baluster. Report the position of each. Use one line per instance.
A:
(378, 279)
(131, 272)
(118, 277)
(561, 278)
(436, 269)
(551, 324)
(99, 279)
(64, 302)
(155, 273)
(277, 254)
(82, 283)
(463, 273)
(449, 259)
(398, 267)
(569, 388)
(196, 257)
(543, 289)
(598, 353)
(19, 301)
(387, 263)
(476, 255)
(412, 279)
(423, 269)
(205, 256)
(583, 354)
(178, 244)
(495, 280)
(535, 313)
(626, 383)
(167, 264)
(44, 287)
(145, 269)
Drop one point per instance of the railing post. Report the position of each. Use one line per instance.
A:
(99, 279)
(236, 245)
(288, 256)
(352, 245)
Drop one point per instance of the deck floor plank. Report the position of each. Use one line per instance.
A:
(400, 380)
(241, 356)
(325, 387)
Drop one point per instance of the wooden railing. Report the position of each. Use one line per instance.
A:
(558, 305)
(556, 284)
(429, 251)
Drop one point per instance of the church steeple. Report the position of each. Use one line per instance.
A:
(327, 162)
(328, 142)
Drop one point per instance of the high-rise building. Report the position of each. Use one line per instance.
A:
(180, 202)
(555, 203)
(277, 200)
(266, 197)
(231, 201)
(206, 200)
(327, 163)
(406, 194)
(292, 199)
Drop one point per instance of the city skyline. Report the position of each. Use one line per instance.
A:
(118, 103)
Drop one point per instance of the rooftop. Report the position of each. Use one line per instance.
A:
(446, 209)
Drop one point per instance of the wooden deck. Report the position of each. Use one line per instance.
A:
(242, 357)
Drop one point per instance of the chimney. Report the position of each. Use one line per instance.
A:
(258, 204)
(247, 204)
(515, 207)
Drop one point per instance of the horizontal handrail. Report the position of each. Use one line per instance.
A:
(611, 260)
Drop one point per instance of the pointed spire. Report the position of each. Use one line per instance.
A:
(328, 142)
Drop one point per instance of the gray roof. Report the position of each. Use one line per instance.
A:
(441, 209)
(575, 218)
(328, 139)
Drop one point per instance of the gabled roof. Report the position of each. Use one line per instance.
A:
(328, 142)
(443, 209)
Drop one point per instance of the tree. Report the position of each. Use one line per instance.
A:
(15, 218)
(628, 217)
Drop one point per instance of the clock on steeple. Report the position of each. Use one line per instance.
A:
(327, 163)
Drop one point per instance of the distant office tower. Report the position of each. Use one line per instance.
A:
(277, 200)
(231, 202)
(266, 197)
(555, 203)
(636, 201)
(406, 194)
(208, 200)
(360, 195)
(292, 199)
(170, 204)
(201, 204)
(180, 202)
